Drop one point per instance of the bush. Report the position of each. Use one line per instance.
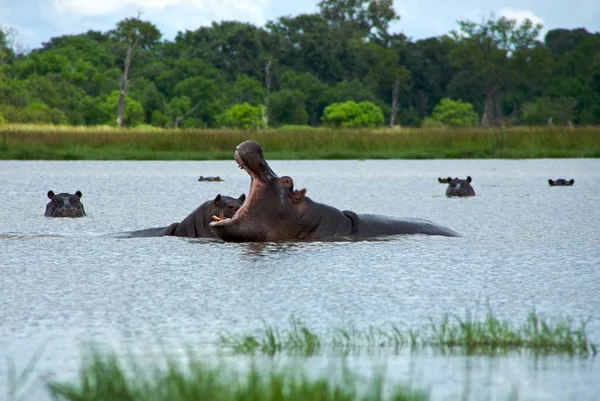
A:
(352, 114)
(430, 123)
(242, 115)
(455, 113)
(160, 119)
(36, 113)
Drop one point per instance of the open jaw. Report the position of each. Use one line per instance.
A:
(259, 179)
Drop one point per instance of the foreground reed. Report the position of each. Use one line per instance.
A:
(106, 143)
(104, 376)
(487, 336)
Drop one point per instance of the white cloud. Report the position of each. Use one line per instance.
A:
(247, 9)
(520, 15)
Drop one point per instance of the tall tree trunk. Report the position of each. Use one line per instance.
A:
(131, 45)
(488, 105)
(265, 111)
(395, 90)
(423, 100)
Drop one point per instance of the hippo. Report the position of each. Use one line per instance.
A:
(274, 211)
(64, 205)
(211, 179)
(459, 187)
(195, 225)
(561, 182)
(442, 180)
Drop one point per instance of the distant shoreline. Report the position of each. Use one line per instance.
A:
(31, 142)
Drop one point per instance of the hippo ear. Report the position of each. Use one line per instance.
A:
(51, 194)
(469, 179)
(550, 181)
(298, 196)
(571, 181)
(242, 197)
(78, 194)
(217, 200)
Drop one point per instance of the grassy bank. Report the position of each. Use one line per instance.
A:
(487, 336)
(104, 376)
(29, 142)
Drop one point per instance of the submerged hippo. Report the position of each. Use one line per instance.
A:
(64, 205)
(459, 187)
(561, 182)
(274, 211)
(442, 180)
(202, 178)
(195, 225)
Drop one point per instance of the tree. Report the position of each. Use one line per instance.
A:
(8, 36)
(133, 113)
(455, 113)
(361, 18)
(247, 90)
(287, 107)
(132, 36)
(483, 52)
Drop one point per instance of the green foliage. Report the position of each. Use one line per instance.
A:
(248, 90)
(134, 112)
(243, 116)
(455, 113)
(545, 111)
(2, 119)
(160, 119)
(430, 123)
(344, 52)
(287, 107)
(352, 114)
(36, 113)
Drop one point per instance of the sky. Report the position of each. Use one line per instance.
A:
(36, 21)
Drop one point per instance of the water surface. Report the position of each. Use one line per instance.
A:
(524, 245)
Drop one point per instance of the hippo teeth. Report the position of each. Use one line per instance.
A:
(221, 216)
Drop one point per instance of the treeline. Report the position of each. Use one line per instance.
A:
(236, 74)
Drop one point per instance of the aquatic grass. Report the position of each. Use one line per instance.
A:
(106, 376)
(487, 336)
(108, 143)
(17, 383)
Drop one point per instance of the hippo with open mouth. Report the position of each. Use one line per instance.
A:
(64, 205)
(274, 211)
(195, 225)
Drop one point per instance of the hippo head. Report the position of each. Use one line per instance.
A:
(224, 207)
(271, 202)
(561, 182)
(64, 205)
(459, 187)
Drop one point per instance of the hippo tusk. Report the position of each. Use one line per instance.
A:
(215, 218)
(222, 214)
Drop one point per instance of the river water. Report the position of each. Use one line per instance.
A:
(524, 245)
